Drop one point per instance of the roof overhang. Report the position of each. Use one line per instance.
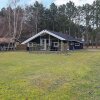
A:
(40, 33)
(76, 41)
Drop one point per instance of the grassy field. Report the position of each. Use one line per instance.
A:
(27, 76)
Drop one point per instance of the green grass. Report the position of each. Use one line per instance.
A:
(27, 76)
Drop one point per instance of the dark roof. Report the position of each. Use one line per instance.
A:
(58, 35)
(65, 36)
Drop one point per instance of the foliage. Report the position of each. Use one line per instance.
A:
(68, 18)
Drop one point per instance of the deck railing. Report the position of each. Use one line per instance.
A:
(38, 47)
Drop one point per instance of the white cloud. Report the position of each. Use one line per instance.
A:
(77, 2)
(33, 1)
(86, 1)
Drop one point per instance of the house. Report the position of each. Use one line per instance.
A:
(52, 41)
(6, 43)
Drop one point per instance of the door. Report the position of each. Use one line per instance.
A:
(43, 43)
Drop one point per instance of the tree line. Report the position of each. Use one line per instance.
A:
(78, 21)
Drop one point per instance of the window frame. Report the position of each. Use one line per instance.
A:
(56, 44)
(77, 44)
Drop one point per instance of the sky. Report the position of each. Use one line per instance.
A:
(4, 3)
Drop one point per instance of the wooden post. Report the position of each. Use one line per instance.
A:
(58, 44)
(40, 44)
(62, 46)
(66, 46)
(49, 41)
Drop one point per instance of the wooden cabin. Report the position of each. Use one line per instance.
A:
(52, 41)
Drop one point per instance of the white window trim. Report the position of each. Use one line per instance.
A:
(54, 44)
(72, 43)
(77, 44)
(30, 44)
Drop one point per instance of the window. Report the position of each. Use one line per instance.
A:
(30, 44)
(56, 44)
(77, 44)
(71, 43)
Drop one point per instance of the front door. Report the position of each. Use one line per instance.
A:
(43, 43)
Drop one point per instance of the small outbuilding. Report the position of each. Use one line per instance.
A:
(6, 43)
(52, 41)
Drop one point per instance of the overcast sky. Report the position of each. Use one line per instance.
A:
(4, 3)
(77, 2)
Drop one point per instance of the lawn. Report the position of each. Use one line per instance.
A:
(27, 76)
